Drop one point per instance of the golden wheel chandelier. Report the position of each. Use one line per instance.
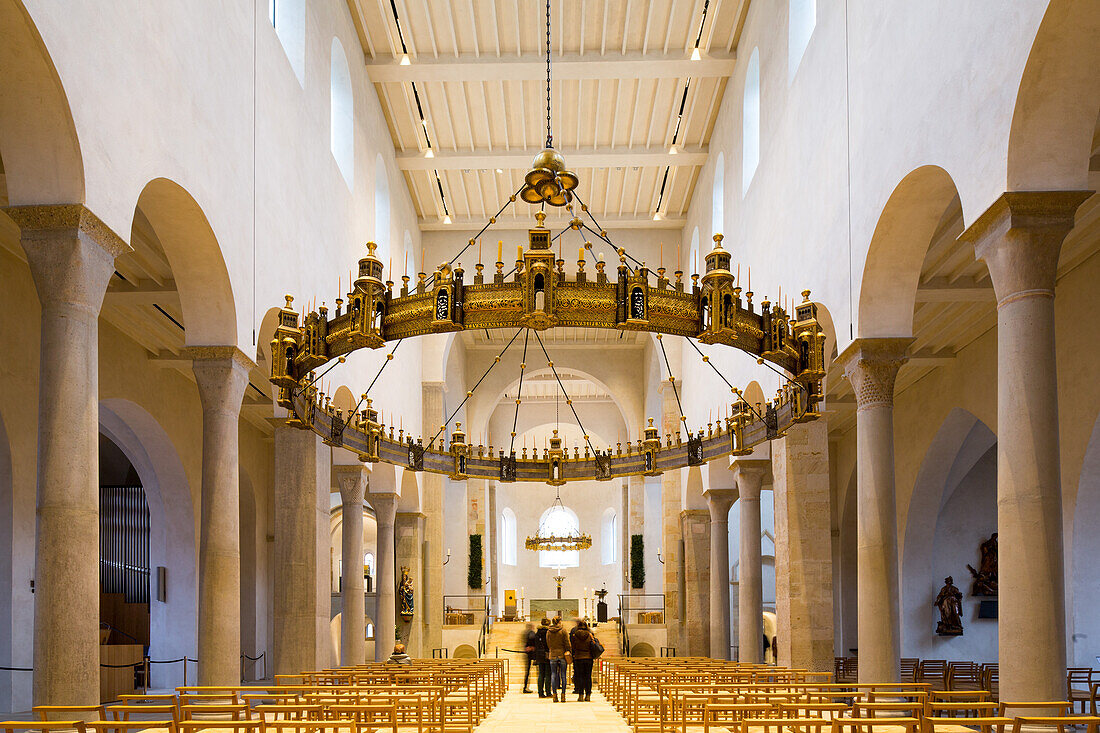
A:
(546, 539)
(534, 295)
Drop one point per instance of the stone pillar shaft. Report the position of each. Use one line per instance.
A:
(696, 623)
(492, 528)
(71, 256)
(222, 375)
(1020, 238)
(719, 502)
(750, 582)
(353, 483)
(409, 538)
(671, 533)
(435, 513)
(385, 511)
(872, 365)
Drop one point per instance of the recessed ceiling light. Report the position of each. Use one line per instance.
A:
(429, 153)
(695, 55)
(405, 59)
(446, 218)
(500, 170)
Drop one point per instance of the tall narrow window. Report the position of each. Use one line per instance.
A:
(508, 537)
(609, 537)
(288, 17)
(343, 114)
(718, 198)
(750, 122)
(800, 26)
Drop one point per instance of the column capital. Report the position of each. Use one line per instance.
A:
(749, 475)
(871, 365)
(666, 384)
(1019, 238)
(49, 220)
(221, 373)
(383, 503)
(352, 481)
(433, 385)
(693, 514)
(719, 502)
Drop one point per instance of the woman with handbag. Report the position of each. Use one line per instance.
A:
(557, 644)
(582, 644)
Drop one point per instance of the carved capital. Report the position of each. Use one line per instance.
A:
(749, 475)
(49, 220)
(221, 373)
(872, 365)
(384, 505)
(1020, 237)
(719, 502)
(353, 481)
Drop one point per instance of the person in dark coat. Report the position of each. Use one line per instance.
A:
(542, 658)
(558, 649)
(580, 644)
(529, 639)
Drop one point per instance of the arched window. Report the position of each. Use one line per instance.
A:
(382, 208)
(800, 26)
(343, 114)
(368, 564)
(750, 122)
(559, 520)
(718, 197)
(288, 17)
(508, 537)
(609, 537)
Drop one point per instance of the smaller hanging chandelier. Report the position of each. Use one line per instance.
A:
(545, 539)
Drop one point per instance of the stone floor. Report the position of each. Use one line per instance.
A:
(519, 713)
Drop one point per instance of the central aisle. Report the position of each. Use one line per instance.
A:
(519, 713)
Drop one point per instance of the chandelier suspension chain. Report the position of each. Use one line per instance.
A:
(706, 360)
(469, 392)
(481, 231)
(549, 134)
(389, 358)
(519, 392)
(672, 381)
(568, 401)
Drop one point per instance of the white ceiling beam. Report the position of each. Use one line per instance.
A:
(929, 358)
(611, 157)
(610, 223)
(963, 290)
(532, 67)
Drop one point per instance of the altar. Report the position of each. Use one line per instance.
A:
(567, 608)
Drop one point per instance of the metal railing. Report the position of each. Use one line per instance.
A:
(636, 603)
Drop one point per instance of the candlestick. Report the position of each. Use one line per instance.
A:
(519, 251)
(500, 250)
(479, 251)
(738, 279)
(406, 262)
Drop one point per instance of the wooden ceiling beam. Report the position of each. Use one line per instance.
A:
(608, 157)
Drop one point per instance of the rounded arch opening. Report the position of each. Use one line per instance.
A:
(559, 520)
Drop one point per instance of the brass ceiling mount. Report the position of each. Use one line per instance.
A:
(548, 181)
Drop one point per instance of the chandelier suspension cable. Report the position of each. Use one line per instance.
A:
(389, 358)
(568, 400)
(706, 360)
(492, 220)
(672, 381)
(519, 392)
(470, 391)
(549, 133)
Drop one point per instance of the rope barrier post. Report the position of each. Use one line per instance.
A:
(145, 681)
(184, 660)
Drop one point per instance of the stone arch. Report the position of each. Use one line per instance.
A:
(465, 651)
(172, 531)
(1085, 641)
(960, 443)
(38, 140)
(642, 649)
(344, 400)
(193, 252)
(1050, 141)
(891, 271)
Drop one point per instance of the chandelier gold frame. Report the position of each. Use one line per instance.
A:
(557, 543)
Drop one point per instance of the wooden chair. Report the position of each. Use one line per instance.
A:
(43, 726)
(1060, 722)
(909, 669)
(964, 676)
(782, 725)
(956, 725)
(47, 713)
(1078, 686)
(1060, 708)
(126, 726)
(933, 672)
(870, 725)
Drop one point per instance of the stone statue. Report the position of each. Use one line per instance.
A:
(949, 603)
(405, 595)
(985, 577)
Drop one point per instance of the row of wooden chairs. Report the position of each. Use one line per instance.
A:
(677, 694)
(430, 695)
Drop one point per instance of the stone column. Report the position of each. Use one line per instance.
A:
(492, 528)
(353, 484)
(750, 583)
(803, 547)
(637, 526)
(871, 365)
(1019, 239)
(671, 534)
(624, 538)
(719, 502)
(432, 410)
(385, 511)
(302, 552)
(409, 540)
(222, 375)
(71, 254)
(696, 623)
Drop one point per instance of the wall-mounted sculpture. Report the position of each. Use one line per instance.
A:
(949, 603)
(985, 577)
(405, 593)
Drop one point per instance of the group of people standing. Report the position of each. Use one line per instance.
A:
(552, 648)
